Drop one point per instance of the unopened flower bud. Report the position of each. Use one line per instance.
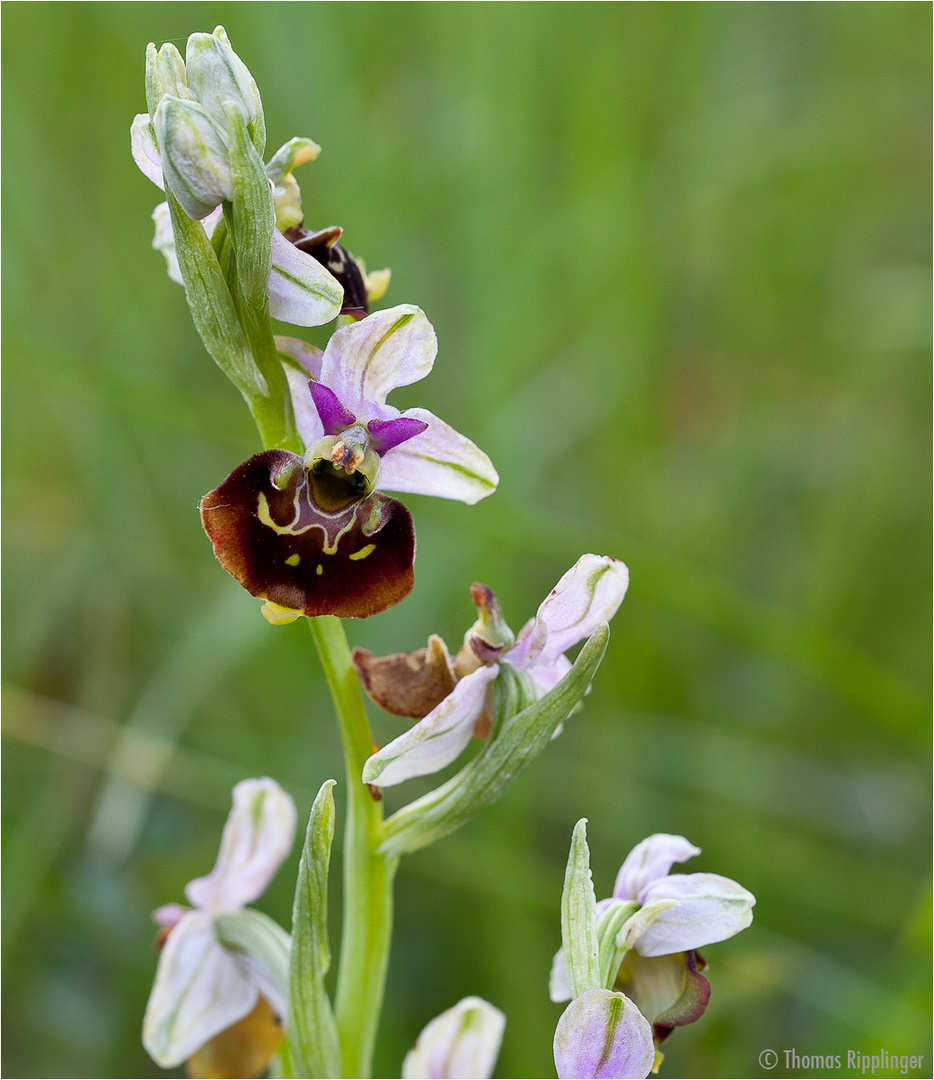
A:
(217, 75)
(195, 161)
(165, 74)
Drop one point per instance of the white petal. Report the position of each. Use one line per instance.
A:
(437, 739)
(440, 462)
(301, 291)
(257, 837)
(603, 1034)
(144, 149)
(262, 979)
(710, 908)
(650, 860)
(307, 419)
(588, 594)
(164, 239)
(200, 990)
(462, 1042)
(366, 360)
(559, 989)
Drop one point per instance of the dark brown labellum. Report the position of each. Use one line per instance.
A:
(351, 557)
(341, 264)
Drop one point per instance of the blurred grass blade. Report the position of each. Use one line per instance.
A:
(314, 1047)
(214, 640)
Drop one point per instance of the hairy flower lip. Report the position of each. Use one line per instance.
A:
(274, 540)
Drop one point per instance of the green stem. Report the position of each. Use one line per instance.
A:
(368, 876)
(272, 412)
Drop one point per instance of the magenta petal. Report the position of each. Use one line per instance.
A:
(334, 416)
(385, 434)
(603, 1034)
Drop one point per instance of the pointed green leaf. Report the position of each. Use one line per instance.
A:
(212, 307)
(313, 1040)
(484, 779)
(253, 214)
(579, 917)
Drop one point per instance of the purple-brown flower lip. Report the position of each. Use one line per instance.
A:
(305, 540)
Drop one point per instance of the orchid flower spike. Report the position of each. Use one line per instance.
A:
(210, 1002)
(183, 140)
(315, 535)
(452, 697)
(460, 1044)
(662, 920)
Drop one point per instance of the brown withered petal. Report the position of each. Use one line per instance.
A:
(309, 542)
(242, 1050)
(407, 684)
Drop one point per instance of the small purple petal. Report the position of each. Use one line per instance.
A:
(603, 1034)
(334, 416)
(386, 434)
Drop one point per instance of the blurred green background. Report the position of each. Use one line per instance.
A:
(677, 259)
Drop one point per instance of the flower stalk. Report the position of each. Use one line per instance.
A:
(368, 874)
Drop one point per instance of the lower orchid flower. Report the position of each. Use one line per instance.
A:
(460, 1044)
(451, 698)
(658, 921)
(314, 535)
(220, 1008)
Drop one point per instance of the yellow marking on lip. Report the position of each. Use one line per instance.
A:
(319, 569)
(363, 552)
(266, 518)
(277, 614)
(293, 560)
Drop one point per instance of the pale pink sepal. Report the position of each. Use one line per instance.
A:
(588, 594)
(709, 908)
(440, 461)
(437, 739)
(460, 1044)
(546, 677)
(307, 420)
(602, 1034)
(363, 362)
(200, 990)
(649, 860)
(258, 835)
